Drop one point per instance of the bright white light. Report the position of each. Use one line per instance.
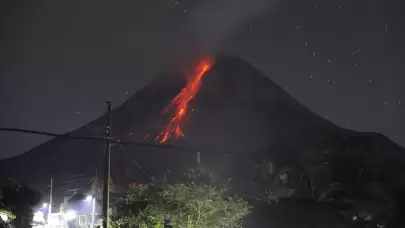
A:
(89, 198)
(4, 217)
(53, 219)
(44, 205)
(70, 215)
(38, 217)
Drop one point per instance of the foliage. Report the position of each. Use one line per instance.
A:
(182, 205)
(20, 199)
(349, 179)
(10, 215)
(62, 208)
(20, 196)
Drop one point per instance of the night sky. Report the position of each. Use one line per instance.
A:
(60, 60)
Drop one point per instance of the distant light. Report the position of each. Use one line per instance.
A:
(89, 198)
(38, 217)
(44, 205)
(4, 217)
(70, 215)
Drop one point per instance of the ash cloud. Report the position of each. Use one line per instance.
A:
(216, 20)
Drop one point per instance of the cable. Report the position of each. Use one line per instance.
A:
(141, 144)
(133, 160)
(49, 134)
(78, 180)
(29, 131)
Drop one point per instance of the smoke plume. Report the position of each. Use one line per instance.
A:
(216, 20)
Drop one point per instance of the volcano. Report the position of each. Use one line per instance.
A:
(238, 117)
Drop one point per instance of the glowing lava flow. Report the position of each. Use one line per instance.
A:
(180, 104)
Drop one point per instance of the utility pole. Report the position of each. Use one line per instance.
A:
(50, 201)
(93, 207)
(107, 149)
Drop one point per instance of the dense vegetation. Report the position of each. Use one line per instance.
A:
(353, 178)
(184, 204)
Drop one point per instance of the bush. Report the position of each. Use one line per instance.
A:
(182, 205)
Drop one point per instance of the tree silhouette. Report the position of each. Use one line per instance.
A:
(191, 203)
(20, 199)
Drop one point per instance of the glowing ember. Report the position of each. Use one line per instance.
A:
(180, 104)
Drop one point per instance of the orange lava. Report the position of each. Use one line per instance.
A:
(180, 104)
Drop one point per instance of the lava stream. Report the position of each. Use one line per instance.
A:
(180, 104)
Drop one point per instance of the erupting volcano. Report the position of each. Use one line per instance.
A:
(180, 104)
(239, 112)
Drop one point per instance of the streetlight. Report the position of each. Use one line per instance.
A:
(89, 198)
(44, 205)
(93, 209)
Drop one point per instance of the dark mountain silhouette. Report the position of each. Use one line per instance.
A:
(238, 110)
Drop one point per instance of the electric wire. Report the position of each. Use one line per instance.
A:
(140, 144)
(133, 161)
(121, 145)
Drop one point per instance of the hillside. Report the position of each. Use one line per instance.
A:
(238, 110)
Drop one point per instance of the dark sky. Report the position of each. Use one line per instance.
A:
(60, 60)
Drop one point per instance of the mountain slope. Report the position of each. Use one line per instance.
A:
(237, 110)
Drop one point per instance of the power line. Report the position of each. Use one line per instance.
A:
(49, 134)
(78, 180)
(140, 144)
(133, 160)
(30, 132)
